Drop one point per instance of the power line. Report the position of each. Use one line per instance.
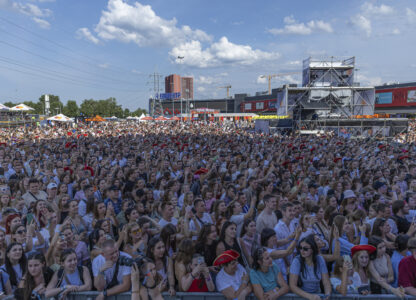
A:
(60, 63)
(64, 47)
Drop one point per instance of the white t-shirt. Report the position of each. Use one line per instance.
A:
(109, 273)
(225, 280)
(163, 222)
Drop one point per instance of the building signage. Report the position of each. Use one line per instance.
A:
(166, 96)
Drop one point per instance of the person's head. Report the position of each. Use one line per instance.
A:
(401, 242)
(168, 236)
(287, 211)
(73, 207)
(167, 210)
(249, 227)
(207, 234)
(341, 223)
(229, 230)
(68, 260)
(97, 238)
(11, 221)
(131, 214)
(110, 251)
(185, 251)
(308, 248)
(67, 233)
(361, 256)
(380, 227)
(268, 238)
(156, 249)
(148, 270)
(400, 207)
(262, 258)
(133, 231)
(18, 233)
(199, 206)
(99, 209)
(35, 264)
(228, 260)
(14, 253)
(270, 202)
(34, 186)
(380, 246)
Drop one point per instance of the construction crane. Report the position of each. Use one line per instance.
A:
(228, 89)
(269, 78)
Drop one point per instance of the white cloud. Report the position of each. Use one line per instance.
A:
(370, 9)
(201, 89)
(293, 27)
(32, 10)
(411, 15)
(104, 66)
(295, 63)
(85, 33)
(362, 24)
(42, 23)
(261, 79)
(139, 24)
(395, 31)
(369, 80)
(220, 53)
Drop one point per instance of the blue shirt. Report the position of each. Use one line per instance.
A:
(345, 245)
(4, 278)
(310, 280)
(268, 281)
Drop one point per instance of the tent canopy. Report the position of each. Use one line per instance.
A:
(4, 107)
(97, 118)
(60, 118)
(21, 107)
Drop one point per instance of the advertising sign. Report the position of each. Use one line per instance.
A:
(166, 96)
(411, 96)
(384, 98)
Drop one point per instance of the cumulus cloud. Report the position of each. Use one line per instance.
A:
(411, 15)
(85, 34)
(362, 23)
(371, 9)
(261, 79)
(32, 10)
(219, 53)
(42, 23)
(369, 80)
(294, 27)
(139, 24)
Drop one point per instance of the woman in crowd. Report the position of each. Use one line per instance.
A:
(199, 278)
(77, 223)
(153, 283)
(249, 239)
(96, 239)
(156, 251)
(134, 244)
(308, 270)
(79, 247)
(265, 277)
(15, 264)
(71, 277)
(341, 279)
(37, 276)
(382, 229)
(206, 243)
(228, 240)
(57, 246)
(381, 270)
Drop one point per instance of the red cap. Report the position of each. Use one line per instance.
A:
(337, 159)
(201, 171)
(88, 168)
(404, 156)
(370, 249)
(226, 257)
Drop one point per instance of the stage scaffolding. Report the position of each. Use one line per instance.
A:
(328, 92)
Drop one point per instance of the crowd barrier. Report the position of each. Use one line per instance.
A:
(219, 296)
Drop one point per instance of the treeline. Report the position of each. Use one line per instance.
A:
(88, 107)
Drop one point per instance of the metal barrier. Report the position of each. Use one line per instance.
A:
(219, 296)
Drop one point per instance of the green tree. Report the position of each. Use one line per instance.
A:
(71, 108)
(138, 112)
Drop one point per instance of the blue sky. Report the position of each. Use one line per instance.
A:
(97, 49)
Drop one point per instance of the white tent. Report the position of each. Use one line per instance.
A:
(21, 107)
(60, 118)
(4, 107)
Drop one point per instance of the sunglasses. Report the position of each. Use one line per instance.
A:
(304, 248)
(21, 231)
(136, 231)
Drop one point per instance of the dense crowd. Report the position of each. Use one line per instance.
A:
(204, 207)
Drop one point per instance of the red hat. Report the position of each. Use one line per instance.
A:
(370, 249)
(337, 159)
(88, 168)
(339, 143)
(404, 156)
(201, 171)
(226, 257)
(68, 169)
(3, 144)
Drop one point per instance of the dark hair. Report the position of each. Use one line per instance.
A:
(245, 224)
(224, 228)
(310, 240)
(204, 232)
(378, 223)
(167, 231)
(285, 206)
(9, 267)
(185, 251)
(266, 234)
(397, 206)
(29, 283)
(401, 242)
(258, 256)
(374, 241)
(151, 247)
(66, 253)
(128, 212)
(94, 237)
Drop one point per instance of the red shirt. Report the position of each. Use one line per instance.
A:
(407, 272)
(198, 285)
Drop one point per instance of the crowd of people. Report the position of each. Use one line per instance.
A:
(202, 207)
